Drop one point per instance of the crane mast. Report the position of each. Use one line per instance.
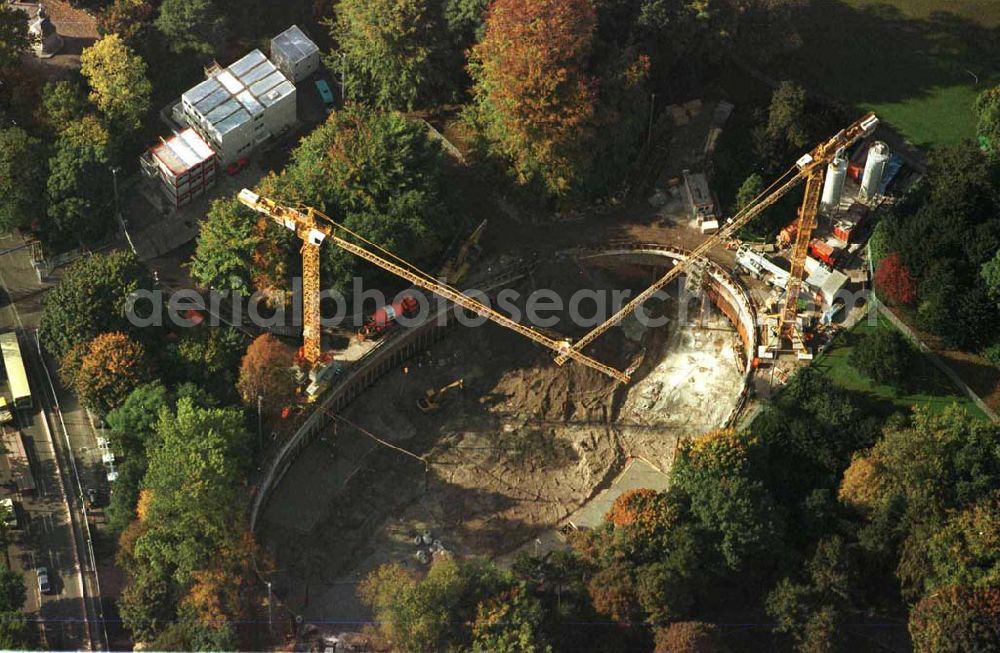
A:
(810, 168)
(312, 227)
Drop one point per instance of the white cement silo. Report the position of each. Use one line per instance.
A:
(833, 187)
(878, 156)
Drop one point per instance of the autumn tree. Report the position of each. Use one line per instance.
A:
(265, 373)
(117, 78)
(22, 178)
(893, 279)
(113, 365)
(533, 98)
(689, 637)
(14, 39)
(511, 622)
(92, 297)
(129, 19)
(964, 551)
(387, 49)
(955, 619)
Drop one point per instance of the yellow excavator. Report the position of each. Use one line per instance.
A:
(431, 401)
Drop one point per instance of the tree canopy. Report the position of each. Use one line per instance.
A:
(388, 49)
(22, 178)
(533, 97)
(117, 78)
(112, 366)
(91, 298)
(192, 26)
(14, 40)
(885, 356)
(265, 372)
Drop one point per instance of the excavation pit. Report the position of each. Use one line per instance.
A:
(521, 447)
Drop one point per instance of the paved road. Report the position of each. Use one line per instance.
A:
(54, 533)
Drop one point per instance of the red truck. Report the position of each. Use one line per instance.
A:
(385, 318)
(824, 252)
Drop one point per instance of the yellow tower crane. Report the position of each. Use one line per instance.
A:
(312, 228)
(811, 169)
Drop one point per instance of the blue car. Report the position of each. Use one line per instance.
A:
(325, 93)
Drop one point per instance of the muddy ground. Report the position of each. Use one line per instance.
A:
(520, 447)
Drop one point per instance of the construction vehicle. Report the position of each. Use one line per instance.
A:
(313, 227)
(431, 401)
(456, 267)
(386, 317)
(811, 169)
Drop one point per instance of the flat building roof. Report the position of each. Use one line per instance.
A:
(232, 96)
(293, 44)
(182, 151)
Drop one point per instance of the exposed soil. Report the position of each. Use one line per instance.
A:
(514, 452)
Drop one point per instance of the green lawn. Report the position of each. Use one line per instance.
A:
(914, 62)
(932, 389)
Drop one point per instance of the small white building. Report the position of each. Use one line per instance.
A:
(294, 54)
(183, 165)
(241, 107)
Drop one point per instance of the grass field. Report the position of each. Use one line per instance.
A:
(918, 63)
(930, 388)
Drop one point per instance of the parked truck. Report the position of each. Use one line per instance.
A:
(386, 317)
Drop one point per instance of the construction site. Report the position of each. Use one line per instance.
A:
(436, 438)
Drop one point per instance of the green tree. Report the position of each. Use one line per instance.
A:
(388, 51)
(224, 253)
(117, 78)
(63, 103)
(381, 176)
(812, 612)
(956, 619)
(192, 26)
(885, 356)
(133, 422)
(921, 472)
(14, 40)
(14, 633)
(194, 479)
(990, 272)
(91, 298)
(434, 613)
(787, 128)
(22, 178)
(533, 100)
(987, 110)
(748, 191)
(79, 191)
(965, 552)
(717, 473)
(209, 358)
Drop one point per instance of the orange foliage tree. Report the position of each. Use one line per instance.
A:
(112, 365)
(534, 101)
(265, 372)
